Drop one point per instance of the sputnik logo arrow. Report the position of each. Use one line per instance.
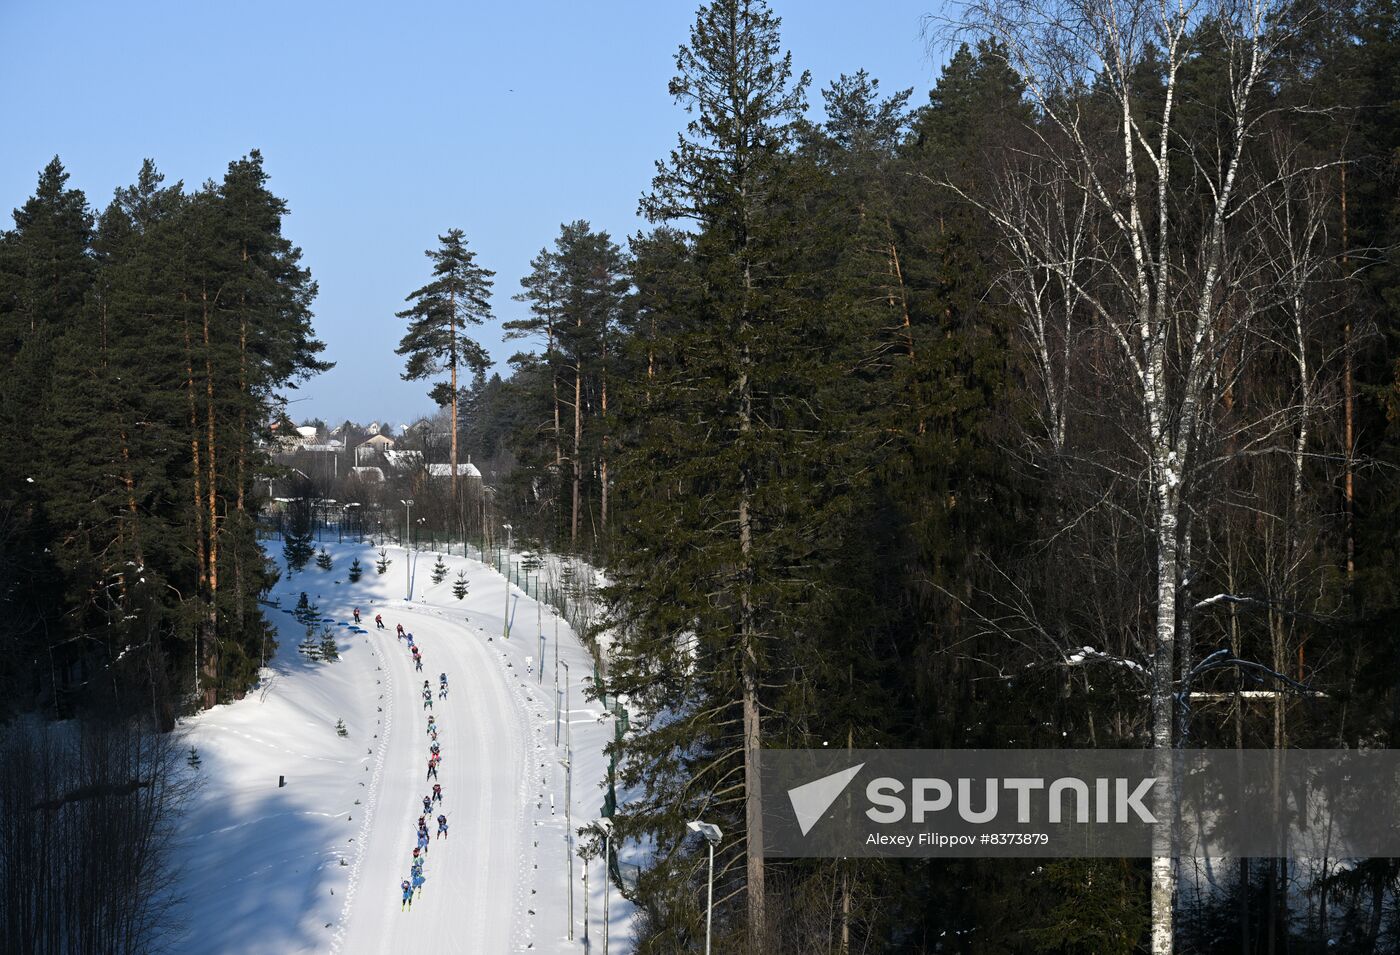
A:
(810, 801)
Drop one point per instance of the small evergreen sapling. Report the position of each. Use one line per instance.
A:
(193, 758)
(305, 611)
(310, 646)
(459, 589)
(355, 571)
(329, 650)
(382, 566)
(323, 560)
(439, 571)
(340, 729)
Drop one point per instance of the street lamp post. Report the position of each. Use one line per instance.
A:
(568, 764)
(564, 664)
(407, 554)
(712, 835)
(505, 621)
(605, 824)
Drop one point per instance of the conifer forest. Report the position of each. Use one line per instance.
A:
(1057, 409)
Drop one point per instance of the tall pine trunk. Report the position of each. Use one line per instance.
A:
(211, 646)
(196, 473)
(452, 331)
(603, 455)
(748, 638)
(578, 440)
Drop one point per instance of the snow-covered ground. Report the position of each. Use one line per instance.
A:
(315, 865)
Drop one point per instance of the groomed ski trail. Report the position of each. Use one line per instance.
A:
(470, 887)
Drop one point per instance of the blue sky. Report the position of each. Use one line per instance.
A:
(384, 125)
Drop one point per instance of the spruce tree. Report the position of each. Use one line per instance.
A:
(459, 586)
(297, 545)
(439, 571)
(722, 474)
(323, 560)
(355, 571)
(382, 565)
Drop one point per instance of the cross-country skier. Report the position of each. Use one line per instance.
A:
(423, 841)
(434, 748)
(432, 724)
(379, 621)
(428, 702)
(432, 770)
(357, 616)
(418, 880)
(437, 792)
(419, 664)
(427, 805)
(407, 896)
(442, 827)
(400, 632)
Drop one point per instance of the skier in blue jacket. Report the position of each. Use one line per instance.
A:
(407, 895)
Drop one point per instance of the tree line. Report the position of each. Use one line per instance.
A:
(144, 350)
(1058, 410)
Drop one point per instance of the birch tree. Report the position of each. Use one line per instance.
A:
(1131, 215)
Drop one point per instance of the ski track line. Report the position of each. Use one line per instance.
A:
(391, 932)
(371, 800)
(483, 810)
(527, 851)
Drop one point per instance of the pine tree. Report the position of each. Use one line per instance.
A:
(329, 649)
(323, 559)
(458, 296)
(355, 571)
(439, 571)
(577, 293)
(459, 587)
(382, 566)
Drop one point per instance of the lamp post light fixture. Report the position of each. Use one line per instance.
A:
(712, 835)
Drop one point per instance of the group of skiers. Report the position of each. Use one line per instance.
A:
(411, 886)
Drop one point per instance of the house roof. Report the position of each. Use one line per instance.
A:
(404, 460)
(445, 470)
